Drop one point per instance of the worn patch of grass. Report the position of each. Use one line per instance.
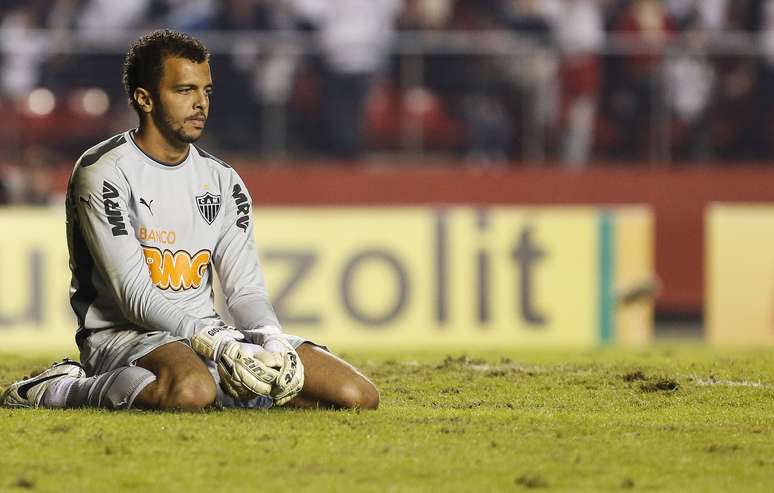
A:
(661, 419)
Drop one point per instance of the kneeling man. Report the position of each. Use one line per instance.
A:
(148, 215)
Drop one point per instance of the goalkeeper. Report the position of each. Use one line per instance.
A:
(149, 215)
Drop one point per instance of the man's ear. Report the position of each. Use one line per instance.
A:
(143, 99)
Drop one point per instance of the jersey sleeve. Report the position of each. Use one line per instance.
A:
(237, 264)
(99, 195)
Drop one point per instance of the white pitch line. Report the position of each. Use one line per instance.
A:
(709, 382)
(694, 379)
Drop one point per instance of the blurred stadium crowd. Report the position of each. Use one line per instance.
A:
(479, 82)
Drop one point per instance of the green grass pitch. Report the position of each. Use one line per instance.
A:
(671, 418)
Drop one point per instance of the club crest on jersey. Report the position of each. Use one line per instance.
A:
(209, 206)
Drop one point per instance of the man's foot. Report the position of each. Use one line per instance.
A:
(29, 391)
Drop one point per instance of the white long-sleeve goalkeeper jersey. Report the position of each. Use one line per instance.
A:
(143, 238)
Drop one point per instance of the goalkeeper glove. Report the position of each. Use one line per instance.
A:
(245, 377)
(290, 379)
(210, 341)
(242, 376)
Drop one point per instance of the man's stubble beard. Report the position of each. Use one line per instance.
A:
(166, 126)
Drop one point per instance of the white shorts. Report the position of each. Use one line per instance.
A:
(109, 349)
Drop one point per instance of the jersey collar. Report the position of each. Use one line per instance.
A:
(154, 162)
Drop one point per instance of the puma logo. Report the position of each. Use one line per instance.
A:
(147, 204)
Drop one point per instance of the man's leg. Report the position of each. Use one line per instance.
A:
(169, 376)
(329, 381)
(182, 379)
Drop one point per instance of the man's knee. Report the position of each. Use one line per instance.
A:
(190, 392)
(182, 379)
(359, 393)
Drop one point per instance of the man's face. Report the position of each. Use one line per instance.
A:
(183, 100)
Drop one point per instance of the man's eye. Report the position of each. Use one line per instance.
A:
(184, 91)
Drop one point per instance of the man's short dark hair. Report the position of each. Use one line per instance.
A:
(144, 62)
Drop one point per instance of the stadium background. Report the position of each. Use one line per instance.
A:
(427, 104)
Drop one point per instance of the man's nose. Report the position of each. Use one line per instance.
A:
(201, 101)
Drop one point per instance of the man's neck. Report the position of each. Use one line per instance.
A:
(156, 146)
